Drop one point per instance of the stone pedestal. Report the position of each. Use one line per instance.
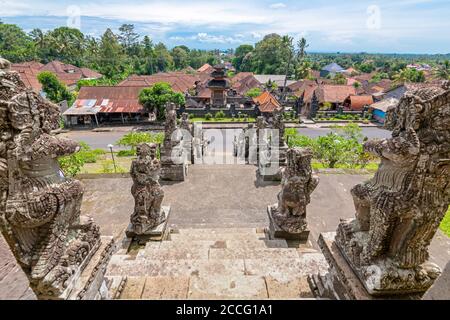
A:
(342, 282)
(89, 282)
(156, 234)
(174, 172)
(275, 232)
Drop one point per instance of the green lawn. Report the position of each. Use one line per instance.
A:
(371, 167)
(222, 120)
(445, 225)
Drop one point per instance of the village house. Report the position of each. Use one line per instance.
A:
(357, 103)
(267, 104)
(66, 73)
(106, 104)
(331, 70)
(380, 108)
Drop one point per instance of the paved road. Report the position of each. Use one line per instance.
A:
(100, 140)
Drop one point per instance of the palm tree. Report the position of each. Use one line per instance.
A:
(443, 71)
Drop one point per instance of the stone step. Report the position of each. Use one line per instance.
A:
(216, 236)
(285, 270)
(243, 253)
(230, 244)
(194, 231)
(133, 288)
(213, 287)
(175, 254)
(175, 268)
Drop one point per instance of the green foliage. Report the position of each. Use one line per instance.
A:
(445, 225)
(220, 115)
(208, 116)
(55, 90)
(15, 45)
(409, 75)
(253, 93)
(72, 165)
(340, 79)
(155, 98)
(379, 76)
(96, 82)
(126, 153)
(343, 147)
(243, 53)
(133, 139)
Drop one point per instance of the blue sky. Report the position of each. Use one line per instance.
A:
(387, 26)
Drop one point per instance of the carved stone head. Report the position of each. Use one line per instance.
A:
(145, 150)
(5, 65)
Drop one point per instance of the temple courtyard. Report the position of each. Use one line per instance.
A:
(218, 248)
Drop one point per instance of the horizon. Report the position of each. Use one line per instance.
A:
(372, 27)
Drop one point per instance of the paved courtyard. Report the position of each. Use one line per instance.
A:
(221, 196)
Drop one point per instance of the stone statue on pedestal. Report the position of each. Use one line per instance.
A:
(146, 190)
(173, 156)
(39, 206)
(399, 211)
(288, 217)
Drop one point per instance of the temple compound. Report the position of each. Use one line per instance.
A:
(60, 251)
(149, 219)
(288, 217)
(173, 155)
(385, 249)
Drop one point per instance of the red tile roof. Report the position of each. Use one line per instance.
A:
(359, 102)
(334, 93)
(267, 102)
(180, 82)
(206, 68)
(28, 74)
(66, 73)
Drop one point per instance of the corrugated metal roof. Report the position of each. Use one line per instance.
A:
(104, 99)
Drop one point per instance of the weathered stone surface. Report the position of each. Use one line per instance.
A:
(398, 212)
(147, 192)
(441, 288)
(288, 217)
(165, 288)
(244, 253)
(133, 288)
(227, 287)
(293, 289)
(39, 206)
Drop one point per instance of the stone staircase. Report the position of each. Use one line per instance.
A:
(233, 263)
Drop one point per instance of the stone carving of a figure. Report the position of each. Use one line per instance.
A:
(146, 190)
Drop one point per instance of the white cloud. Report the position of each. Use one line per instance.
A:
(278, 5)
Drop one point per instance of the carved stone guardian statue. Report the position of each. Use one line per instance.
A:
(173, 155)
(288, 217)
(399, 211)
(149, 217)
(39, 206)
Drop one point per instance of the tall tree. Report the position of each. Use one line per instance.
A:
(164, 61)
(15, 45)
(65, 44)
(443, 70)
(111, 59)
(180, 58)
(241, 52)
(128, 38)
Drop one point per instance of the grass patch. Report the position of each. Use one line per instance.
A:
(371, 167)
(223, 120)
(105, 164)
(445, 225)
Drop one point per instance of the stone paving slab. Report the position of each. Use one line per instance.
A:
(178, 268)
(177, 254)
(165, 288)
(253, 253)
(133, 288)
(227, 288)
(216, 237)
(294, 289)
(287, 269)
